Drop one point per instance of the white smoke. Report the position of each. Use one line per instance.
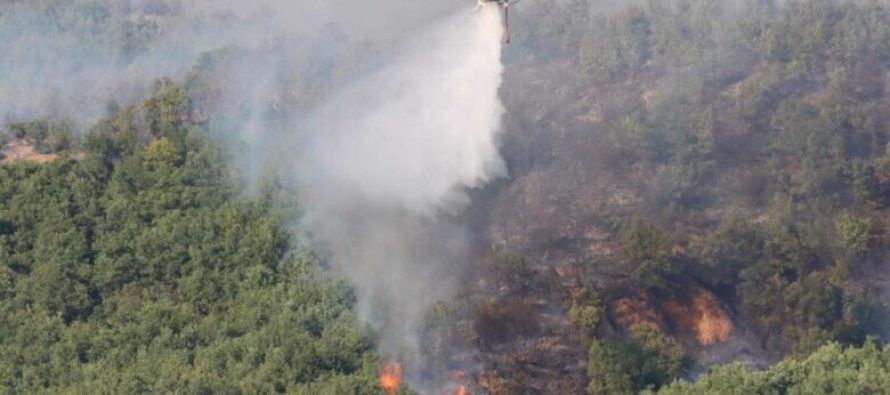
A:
(394, 153)
(72, 58)
(415, 134)
(381, 165)
(74, 65)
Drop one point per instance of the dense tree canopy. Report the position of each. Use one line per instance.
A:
(139, 269)
(753, 136)
(832, 369)
(756, 137)
(743, 145)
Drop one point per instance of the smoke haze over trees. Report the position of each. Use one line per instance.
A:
(648, 192)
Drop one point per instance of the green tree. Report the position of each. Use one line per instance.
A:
(854, 233)
(646, 361)
(832, 369)
(646, 247)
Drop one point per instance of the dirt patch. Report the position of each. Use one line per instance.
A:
(17, 151)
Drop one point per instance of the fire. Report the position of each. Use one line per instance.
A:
(461, 390)
(391, 377)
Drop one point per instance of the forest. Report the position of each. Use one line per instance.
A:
(136, 267)
(697, 203)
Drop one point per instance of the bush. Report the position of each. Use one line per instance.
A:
(646, 247)
(586, 311)
(647, 360)
(854, 233)
(832, 369)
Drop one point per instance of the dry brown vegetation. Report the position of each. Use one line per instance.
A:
(22, 151)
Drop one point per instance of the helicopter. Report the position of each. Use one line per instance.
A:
(505, 5)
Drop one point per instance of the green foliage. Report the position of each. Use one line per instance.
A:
(607, 368)
(604, 60)
(832, 369)
(510, 270)
(646, 247)
(758, 132)
(646, 361)
(854, 233)
(138, 269)
(784, 292)
(89, 27)
(47, 136)
(730, 248)
(586, 311)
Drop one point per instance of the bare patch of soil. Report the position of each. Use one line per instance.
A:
(18, 150)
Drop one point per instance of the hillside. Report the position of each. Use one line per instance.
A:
(139, 269)
(697, 202)
(718, 174)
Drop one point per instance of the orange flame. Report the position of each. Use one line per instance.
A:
(461, 390)
(391, 377)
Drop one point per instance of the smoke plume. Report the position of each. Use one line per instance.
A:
(381, 164)
(391, 156)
